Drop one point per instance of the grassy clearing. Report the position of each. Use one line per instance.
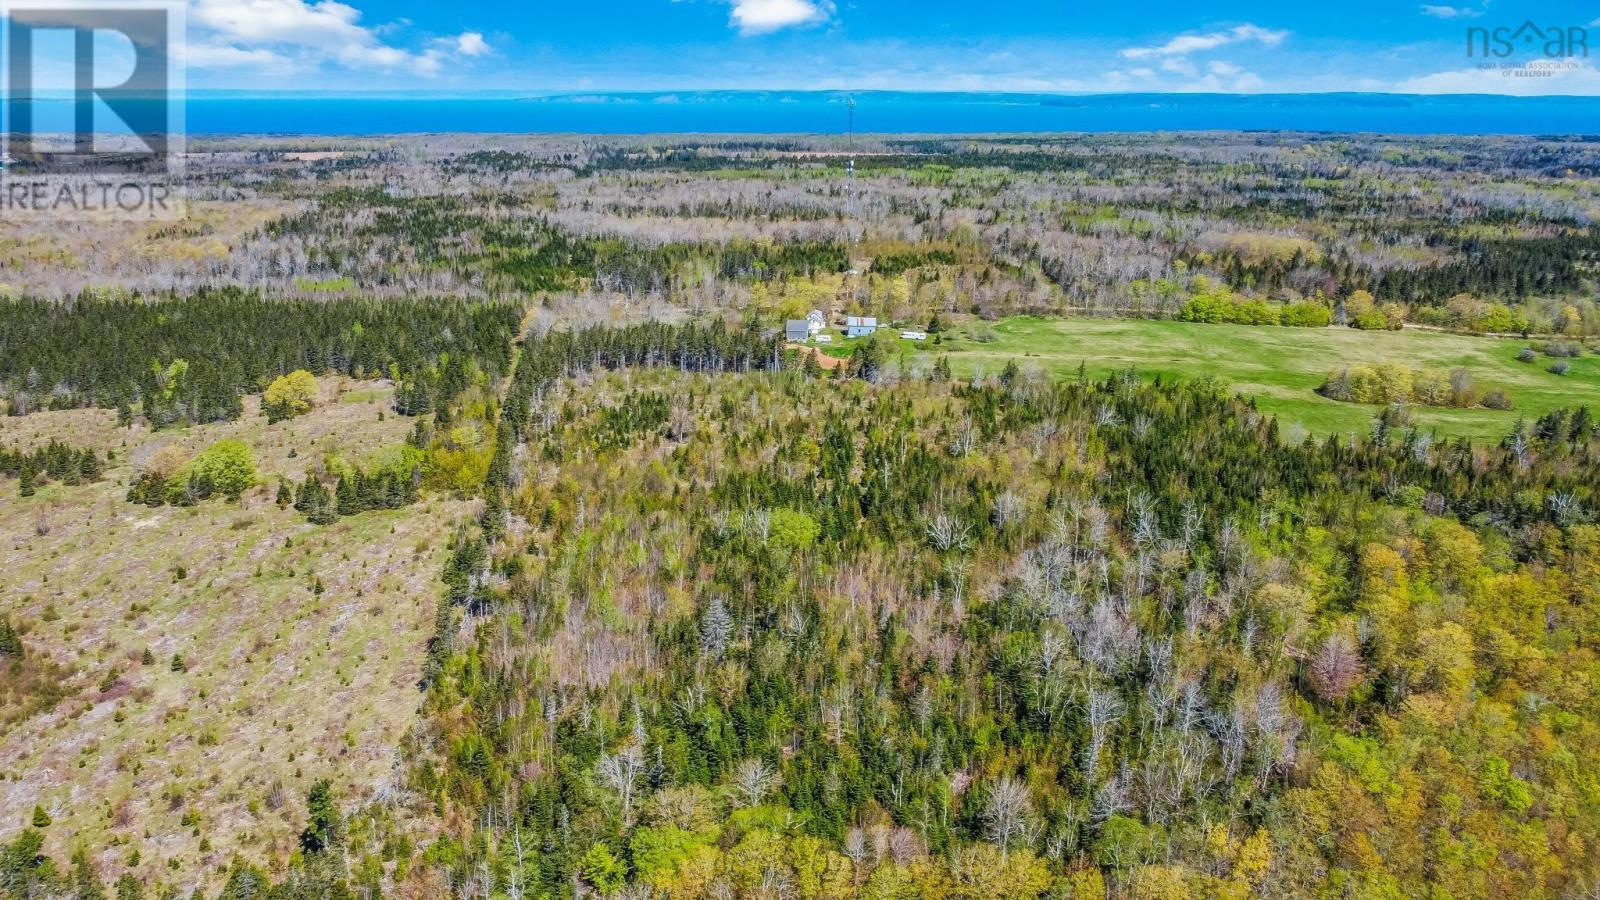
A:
(280, 685)
(1281, 367)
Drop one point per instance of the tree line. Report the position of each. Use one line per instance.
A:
(192, 358)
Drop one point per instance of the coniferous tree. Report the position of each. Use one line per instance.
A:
(494, 516)
(322, 818)
(85, 882)
(10, 641)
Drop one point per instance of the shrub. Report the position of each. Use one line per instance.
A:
(1527, 355)
(1256, 312)
(1338, 387)
(226, 467)
(1371, 320)
(1436, 316)
(1563, 349)
(1499, 319)
(1220, 307)
(289, 395)
(1559, 367)
(1390, 383)
(1305, 315)
(1496, 400)
(1431, 389)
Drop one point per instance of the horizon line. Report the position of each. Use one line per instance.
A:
(556, 93)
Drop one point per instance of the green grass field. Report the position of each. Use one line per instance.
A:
(1281, 367)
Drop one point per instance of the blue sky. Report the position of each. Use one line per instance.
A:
(1001, 45)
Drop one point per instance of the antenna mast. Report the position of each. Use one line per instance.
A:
(850, 166)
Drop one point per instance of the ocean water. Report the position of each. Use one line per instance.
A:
(777, 112)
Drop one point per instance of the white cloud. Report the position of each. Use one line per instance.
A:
(1221, 78)
(1578, 79)
(210, 55)
(1194, 43)
(763, 16)
(1248, 83)
(328, 24)
(308, 34)
(471, 43)
(1451, 12)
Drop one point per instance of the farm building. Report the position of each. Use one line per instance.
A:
(859, 326)
(796, 330)
(816, 321)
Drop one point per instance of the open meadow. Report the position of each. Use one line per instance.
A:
(1280, 368)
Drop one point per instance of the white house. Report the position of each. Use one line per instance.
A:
(816, 321)
(859, 326)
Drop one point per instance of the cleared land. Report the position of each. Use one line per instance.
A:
(279, 685)
(1279, 367)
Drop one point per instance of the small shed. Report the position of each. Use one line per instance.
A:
(859, 326)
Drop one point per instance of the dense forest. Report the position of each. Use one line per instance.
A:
(193, 358)
(824, 640)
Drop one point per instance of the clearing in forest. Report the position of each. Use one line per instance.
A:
(1281, 368)
(218, 659)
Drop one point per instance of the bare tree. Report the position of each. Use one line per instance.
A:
(758, 524)
(621, 771)
(514, 889)
(1336, 668)
(855, 846)
(1007, 509)
(716, 629)
(777, 883)
(1104, 708)
(1006, 814)
(1277, 729)
(946, 532)
(1564, 508)
(965, 439)
(753, 780)
(1521, 448)
(1113, 796)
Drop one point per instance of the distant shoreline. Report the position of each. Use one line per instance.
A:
(226, 112)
